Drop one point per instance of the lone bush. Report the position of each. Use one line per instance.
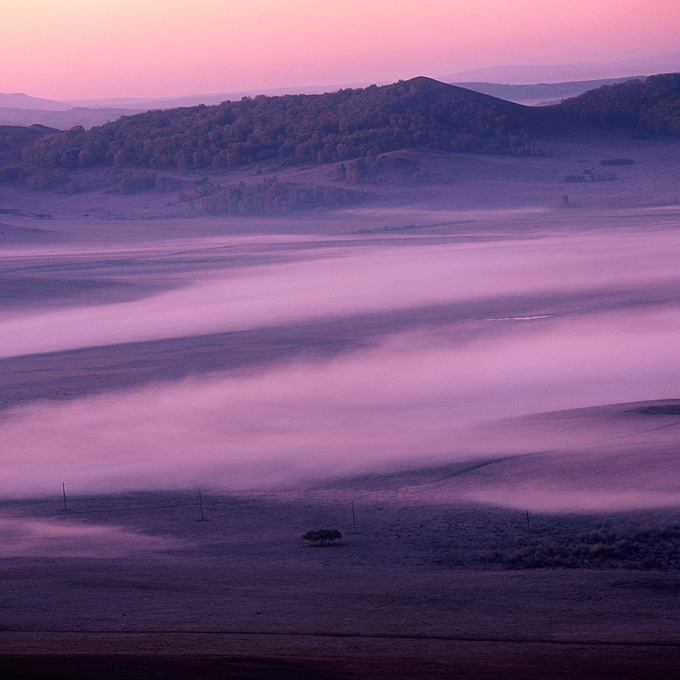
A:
(322, 536)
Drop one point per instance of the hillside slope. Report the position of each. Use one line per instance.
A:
(650, 105)
(302, 129)
(15, 137)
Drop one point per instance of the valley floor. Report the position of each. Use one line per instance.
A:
(438, 360)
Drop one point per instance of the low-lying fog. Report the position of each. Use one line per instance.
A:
(29, 537)
(336, 280)
(599, 324)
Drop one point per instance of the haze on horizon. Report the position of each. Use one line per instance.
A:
(79, 49)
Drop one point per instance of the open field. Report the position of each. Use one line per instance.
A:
(411, 594)
(445, 355)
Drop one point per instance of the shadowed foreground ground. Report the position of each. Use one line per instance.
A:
(242, 596)
(421, 660)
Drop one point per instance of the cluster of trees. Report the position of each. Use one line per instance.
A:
(651, 105)
(374, 168)
(13, 139)
(271, 197)
(296, 129)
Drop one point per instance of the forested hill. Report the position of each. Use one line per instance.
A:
(650, 105)
(301, 129)
(13, 138)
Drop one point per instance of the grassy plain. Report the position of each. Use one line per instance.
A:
(130, 583)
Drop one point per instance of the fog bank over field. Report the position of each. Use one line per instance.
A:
(339, 280)
(416, 399)
(524, 326)
(29, 537)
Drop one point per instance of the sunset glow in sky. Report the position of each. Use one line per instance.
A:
(114, 48)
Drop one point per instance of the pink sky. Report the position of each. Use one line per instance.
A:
(114, 48)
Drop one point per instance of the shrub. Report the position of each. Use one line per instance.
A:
(320, 537)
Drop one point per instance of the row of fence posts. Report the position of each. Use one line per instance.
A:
(203, 519)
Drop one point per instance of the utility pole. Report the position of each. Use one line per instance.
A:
(529, 527)
(200, 503)
(354, 519)
(63, 491)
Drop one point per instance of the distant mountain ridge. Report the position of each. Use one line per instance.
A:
(542, 94)
(23, 101)
(209, 99)
(526, 74)
(62, 120)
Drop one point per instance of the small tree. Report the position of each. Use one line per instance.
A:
(322, 536)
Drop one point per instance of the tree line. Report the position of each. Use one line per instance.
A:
(651, 105)
(295, 129)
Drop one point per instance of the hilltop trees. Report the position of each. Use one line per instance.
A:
(296, 129)
(651, 105)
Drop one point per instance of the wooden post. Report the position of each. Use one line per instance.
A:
(354, 519)
(63, 490)
(200, 503)
(529, 527)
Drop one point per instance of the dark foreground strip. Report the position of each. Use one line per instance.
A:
(371, 636)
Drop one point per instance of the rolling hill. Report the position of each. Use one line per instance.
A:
(19, 100)
(13, 139)
(352, 125)
(302, 129)
(651, 105)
